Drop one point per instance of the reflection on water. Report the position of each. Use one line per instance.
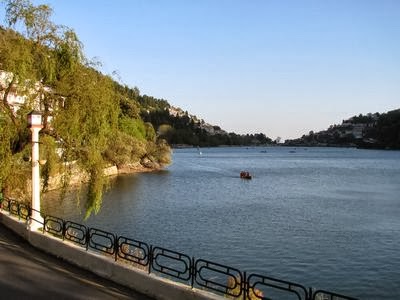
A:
(71, 204)
(323, 217)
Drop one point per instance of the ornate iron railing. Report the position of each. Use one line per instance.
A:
(171, 263)
(202, 273)
(219, 278)
(75, 232)
(54, 226)
(133, 251)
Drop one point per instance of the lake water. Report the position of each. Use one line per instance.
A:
(322, 217)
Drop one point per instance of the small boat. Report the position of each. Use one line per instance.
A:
(245, 175)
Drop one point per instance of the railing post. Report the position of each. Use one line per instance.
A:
(44, 224)
(19, 212)
(192, 272)
(310, 294)
(244, 285)
(63, 230)
(150, 258)
(87, 238)
(116, 248)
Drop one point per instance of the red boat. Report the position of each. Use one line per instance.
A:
(245, 175)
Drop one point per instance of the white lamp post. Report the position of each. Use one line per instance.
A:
(35, 125)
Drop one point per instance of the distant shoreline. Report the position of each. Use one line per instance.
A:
(363, 146)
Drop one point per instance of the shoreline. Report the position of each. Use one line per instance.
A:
(79, 177)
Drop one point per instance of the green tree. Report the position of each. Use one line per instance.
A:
(84, 123)
(90, 121)
(81, 106)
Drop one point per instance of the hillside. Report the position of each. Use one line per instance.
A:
(378, 131)
(180, 128)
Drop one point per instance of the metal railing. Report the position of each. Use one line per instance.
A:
(201, 273)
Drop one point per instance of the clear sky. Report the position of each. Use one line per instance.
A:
(279, 67)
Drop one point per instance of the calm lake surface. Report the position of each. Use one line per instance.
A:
(322, 217)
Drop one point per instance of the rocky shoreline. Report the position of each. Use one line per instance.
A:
(78, 176)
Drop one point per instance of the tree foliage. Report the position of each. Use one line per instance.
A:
(90, 121)
(385, 132)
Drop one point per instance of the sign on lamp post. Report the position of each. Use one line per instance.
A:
(35, 125)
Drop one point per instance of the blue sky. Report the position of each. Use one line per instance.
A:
(278, 67)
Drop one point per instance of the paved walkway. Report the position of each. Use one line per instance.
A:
(27, 273)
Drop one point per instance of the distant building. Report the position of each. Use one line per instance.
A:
(13, 99)
(358, 130)
(19, 94)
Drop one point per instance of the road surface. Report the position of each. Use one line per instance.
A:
(28, 273)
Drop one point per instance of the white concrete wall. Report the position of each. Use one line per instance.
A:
(141, 281)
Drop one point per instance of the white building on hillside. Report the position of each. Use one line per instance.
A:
(13, 99)
(19, 95)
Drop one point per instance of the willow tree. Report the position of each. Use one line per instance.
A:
(90, 121)
(46, 64)
(85, 123)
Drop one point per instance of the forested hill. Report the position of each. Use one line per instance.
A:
(378, 131)
(179, 128)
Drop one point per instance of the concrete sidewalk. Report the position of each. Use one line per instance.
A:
(28, 273)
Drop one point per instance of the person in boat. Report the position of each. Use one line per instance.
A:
(245, 174)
